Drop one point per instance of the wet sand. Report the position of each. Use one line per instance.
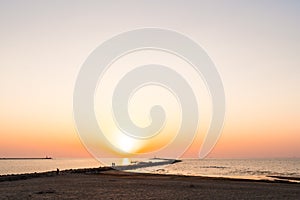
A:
(112, 184)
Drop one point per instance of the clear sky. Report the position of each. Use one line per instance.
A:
(254, 44)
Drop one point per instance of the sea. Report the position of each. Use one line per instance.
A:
(258, 169)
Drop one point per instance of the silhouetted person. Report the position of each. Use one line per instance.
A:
(57, 171)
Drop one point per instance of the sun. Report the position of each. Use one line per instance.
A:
(126, 143)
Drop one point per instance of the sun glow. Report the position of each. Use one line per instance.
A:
(126, 143)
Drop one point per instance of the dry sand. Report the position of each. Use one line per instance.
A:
(114, 184)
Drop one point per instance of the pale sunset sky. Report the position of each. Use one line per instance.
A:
(255, 46)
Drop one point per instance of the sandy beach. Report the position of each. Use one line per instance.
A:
(112, 184)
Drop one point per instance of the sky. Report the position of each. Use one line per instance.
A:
(255, 46)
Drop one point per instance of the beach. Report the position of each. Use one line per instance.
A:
(107, 183)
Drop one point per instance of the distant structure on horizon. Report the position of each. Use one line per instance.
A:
(47, 158)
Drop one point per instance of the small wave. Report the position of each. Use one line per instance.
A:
(290, 178)
(216, 167)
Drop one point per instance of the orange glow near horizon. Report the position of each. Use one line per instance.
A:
(243, 137)
(239, 143)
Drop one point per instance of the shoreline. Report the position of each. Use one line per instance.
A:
(99, 170)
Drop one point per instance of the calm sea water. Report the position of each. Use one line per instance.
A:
(288, 169)
(30, 166)
(237, 168)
